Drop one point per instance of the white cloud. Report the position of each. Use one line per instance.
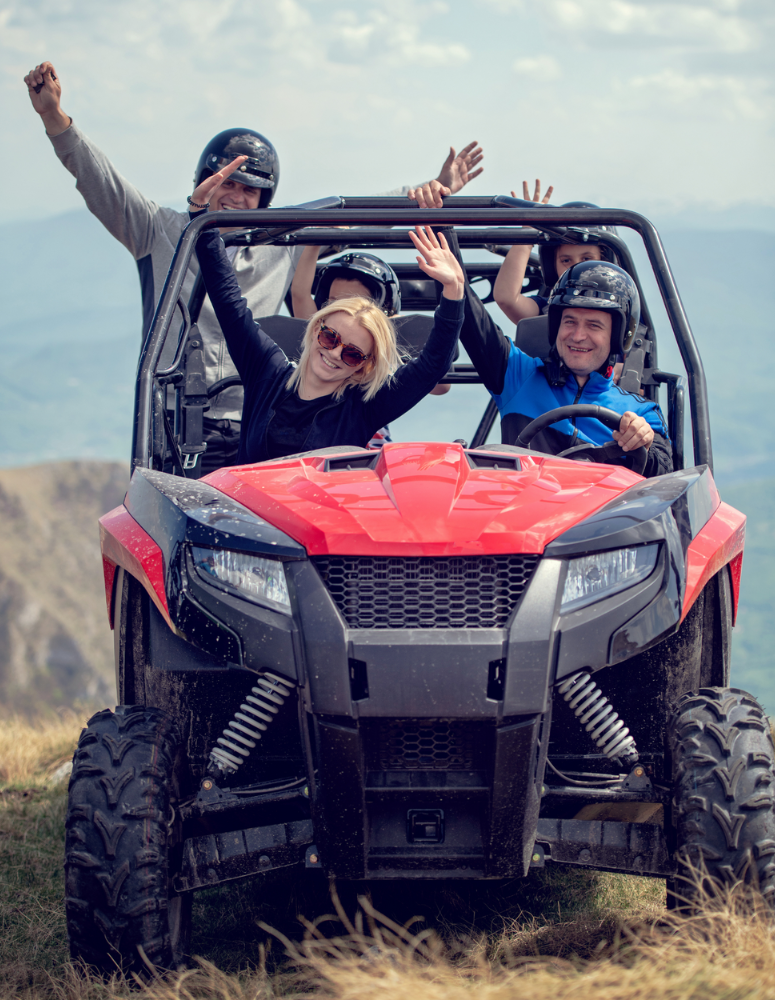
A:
(677, 24)
(544, 68)
(732, 96)
(400, 32)
(509, 6)
(299, 31)
(506, 6)
(397, 33)
(361, 95)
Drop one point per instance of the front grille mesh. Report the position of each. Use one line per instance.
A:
(426, 745)
(426, 591)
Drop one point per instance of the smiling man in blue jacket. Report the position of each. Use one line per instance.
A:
(594, 311)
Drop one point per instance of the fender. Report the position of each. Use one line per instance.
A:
(124, 543)
(718, 543)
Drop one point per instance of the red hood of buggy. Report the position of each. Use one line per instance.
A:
(423, 499)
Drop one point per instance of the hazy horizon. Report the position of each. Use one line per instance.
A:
(660, 107)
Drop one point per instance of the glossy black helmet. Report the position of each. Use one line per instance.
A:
(547, 251)
(379, 277)
(260, 170)
(595, 284)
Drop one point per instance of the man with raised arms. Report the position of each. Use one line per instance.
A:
(150, 232)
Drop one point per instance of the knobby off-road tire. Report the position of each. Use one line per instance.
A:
(118, 835)
(723, 795)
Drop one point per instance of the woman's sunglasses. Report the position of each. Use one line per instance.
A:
(329, 340)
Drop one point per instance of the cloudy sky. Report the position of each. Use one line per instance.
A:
(659, 106)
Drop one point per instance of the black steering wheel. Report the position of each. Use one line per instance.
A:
(611, 452)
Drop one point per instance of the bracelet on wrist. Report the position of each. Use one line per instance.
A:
(195, 204)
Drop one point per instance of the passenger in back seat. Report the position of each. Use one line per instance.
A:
(556, 258)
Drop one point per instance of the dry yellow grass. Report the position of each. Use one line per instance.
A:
(31, 751)
(727, 953)
(622, 945)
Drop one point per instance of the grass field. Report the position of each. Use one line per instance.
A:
(553, 936)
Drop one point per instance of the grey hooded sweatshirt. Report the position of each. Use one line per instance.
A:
(151, 233)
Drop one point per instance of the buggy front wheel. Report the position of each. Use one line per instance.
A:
(723, 796)
(121, 911)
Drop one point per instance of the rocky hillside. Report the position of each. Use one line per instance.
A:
(55, 644)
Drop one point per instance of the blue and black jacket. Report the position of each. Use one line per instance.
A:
(265, 370)
(524, 388)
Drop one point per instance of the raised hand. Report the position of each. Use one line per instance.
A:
(438, 261)
(536, 193)
(204, 192)
(44, 87)
(45, 92)
(458, 169)
(507, 289)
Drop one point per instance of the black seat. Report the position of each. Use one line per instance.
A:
(532, 336)
(286, 332)
(413, 331)
(417, 292)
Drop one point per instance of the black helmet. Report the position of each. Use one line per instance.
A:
(379, 277)
(593, 284)
(548, 251)
(260, 170)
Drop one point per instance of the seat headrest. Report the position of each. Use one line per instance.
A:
(413, 331)
(286, 332)
(532, 336)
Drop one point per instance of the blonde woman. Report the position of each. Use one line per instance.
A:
(349, 380)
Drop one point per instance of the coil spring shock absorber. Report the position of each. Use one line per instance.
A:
(254, 717)
(595, 712)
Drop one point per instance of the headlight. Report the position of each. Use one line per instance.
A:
(592, 577)
(259, 580)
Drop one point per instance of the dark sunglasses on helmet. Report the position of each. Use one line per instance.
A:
(329, 340)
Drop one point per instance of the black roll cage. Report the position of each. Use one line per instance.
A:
(479, 222)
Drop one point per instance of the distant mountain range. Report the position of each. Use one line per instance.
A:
(70, 336)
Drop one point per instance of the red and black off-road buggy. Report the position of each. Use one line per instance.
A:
(433, 661)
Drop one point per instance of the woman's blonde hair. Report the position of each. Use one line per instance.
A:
(384, 360)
